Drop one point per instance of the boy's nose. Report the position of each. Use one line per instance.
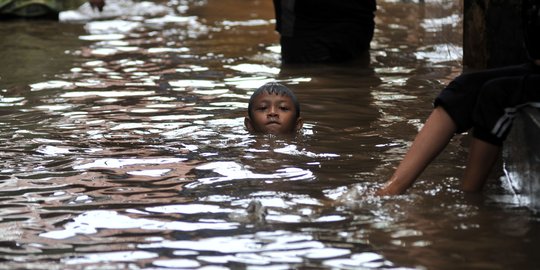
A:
(272, 114)
(273, 111)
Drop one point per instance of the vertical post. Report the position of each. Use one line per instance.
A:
(492, 35)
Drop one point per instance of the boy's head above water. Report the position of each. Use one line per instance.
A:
(273, 109)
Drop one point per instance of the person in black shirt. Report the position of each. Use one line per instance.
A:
(324, 30)
(484, 101)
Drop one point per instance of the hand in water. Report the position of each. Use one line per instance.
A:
(99, 4)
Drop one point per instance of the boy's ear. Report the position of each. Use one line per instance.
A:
(299, 123)
(248, 124)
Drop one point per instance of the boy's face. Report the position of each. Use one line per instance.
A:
(273, 114)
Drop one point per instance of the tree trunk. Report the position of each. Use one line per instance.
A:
(492, 34)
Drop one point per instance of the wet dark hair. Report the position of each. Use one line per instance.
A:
(530, 10)
(276, 89)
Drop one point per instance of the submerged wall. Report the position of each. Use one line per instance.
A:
(521, 154)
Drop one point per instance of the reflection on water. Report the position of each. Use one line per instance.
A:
(122, 146)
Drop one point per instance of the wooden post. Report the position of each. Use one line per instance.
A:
(492, 35)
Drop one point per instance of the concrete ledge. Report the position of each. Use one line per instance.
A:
(521, 158)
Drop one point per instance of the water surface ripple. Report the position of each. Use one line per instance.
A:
(122, 147)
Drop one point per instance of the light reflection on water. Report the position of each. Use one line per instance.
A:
(128, 150)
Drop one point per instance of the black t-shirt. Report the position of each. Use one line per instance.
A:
(307, 17)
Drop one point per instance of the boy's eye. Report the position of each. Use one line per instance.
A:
(283, 108)
(261, 108)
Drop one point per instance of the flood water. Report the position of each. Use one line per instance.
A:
(122, 147)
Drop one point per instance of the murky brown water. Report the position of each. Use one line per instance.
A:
(122, 147)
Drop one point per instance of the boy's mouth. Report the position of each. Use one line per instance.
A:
(273, 123)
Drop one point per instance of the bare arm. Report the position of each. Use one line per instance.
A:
(430, 141)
